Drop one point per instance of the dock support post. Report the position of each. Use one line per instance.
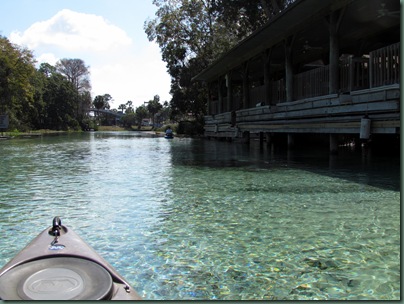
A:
(291, 140)
(333, 144)
(289, 68)
(246, 137)
(268, 138)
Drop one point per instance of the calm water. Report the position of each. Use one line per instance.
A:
(195, 219)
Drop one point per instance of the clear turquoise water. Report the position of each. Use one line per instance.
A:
(194, 219)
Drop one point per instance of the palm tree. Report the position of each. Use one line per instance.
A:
(122, 107)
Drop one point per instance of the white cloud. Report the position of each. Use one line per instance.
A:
(73, 31)
(135, 78)
(116, 67)
(47, 57)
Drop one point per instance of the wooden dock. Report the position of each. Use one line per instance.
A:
(348, 83)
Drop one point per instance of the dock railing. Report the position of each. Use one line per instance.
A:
(257, 95)
(354, 74)
(385, 66)
(312, 83)
(380, 68)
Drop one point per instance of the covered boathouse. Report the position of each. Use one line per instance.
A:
(325, 68)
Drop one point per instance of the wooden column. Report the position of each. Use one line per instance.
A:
(246, 86)
(209, 106)
(267, 64)
(268, 137)
(229, 92)
(246, 137)
(220, 96)
(289, 68)
(333, 144)
(261, 138)
(291, 140)
(334, 53)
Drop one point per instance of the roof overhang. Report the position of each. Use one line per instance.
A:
(305, 20)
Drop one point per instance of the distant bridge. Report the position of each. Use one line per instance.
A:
(109, 112)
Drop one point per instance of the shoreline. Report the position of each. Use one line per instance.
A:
(39, 133)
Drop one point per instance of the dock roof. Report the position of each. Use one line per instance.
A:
(362, 24)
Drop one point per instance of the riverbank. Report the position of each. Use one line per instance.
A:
(9, 135)
(46, 132)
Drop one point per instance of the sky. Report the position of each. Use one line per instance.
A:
(107, 35)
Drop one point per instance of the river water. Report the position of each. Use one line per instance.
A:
(196, 219)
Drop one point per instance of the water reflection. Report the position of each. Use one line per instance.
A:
(246, 224)
(358, 165)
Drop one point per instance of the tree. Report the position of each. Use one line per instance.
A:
(154, 107)
(17, 89)
(84, 104)
(248, 15)
(107, 99)
(63, 107)
(128, 119)
(76, 72)
(165, 112)
(98, 102)
(59, 96)
(122, 107)
(38, 98)
(101, 102)
(193, 33)
(129, 109)
(141, 113)
(47, 70)
(190, 37)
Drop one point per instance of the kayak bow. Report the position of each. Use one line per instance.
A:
(59, 265)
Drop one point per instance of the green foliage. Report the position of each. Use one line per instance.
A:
(188, 37)
(99, 102)
(129, 107)
(248, 15)
(141, 113)
(191, 36)
(17, 91)
(193, 33)
(43, 98)
(154, 106)
(122, 107)
(89, 124)
(190, 127)
(128, 120)
(60, 98)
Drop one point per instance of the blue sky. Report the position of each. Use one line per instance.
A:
(107, 34)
